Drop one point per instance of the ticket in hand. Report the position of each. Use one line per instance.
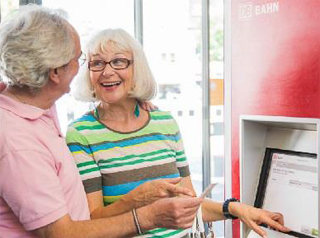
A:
(207, 190)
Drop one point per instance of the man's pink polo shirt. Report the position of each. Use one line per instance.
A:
(39, 181)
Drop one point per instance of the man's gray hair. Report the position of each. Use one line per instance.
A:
(33, 40)
(144, 83)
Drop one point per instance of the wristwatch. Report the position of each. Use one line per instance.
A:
(225, 208)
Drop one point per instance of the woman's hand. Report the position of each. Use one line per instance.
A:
(148, 106)
(175, 213)
(152, 191)
(253, 217)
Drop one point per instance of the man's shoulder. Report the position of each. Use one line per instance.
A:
(11, 125)
(16, 134)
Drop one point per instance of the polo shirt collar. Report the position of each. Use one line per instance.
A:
(30, 112)
(20, 109)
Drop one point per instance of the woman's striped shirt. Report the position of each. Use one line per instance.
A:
(117, 162)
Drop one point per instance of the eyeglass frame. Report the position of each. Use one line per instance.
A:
(109, 62)
(82, 59)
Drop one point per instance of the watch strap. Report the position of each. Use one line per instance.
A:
(225, 208)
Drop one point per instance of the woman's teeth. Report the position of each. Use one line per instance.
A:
(110, 84)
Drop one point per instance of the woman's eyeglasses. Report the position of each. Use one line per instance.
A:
(117, 63)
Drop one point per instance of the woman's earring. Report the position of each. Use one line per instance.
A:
(94, 95)
(136, 110)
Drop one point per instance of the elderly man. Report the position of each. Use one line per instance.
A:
(41, 193)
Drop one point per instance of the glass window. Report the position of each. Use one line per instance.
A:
(172, 39)
(217, 104)
(87, 18)
(6, 7)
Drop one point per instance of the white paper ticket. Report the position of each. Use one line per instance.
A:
(207, 190)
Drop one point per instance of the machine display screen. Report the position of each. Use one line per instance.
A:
(289, 184)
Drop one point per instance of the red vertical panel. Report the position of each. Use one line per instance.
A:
(275, 64)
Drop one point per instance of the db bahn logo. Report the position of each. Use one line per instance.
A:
(247, 10)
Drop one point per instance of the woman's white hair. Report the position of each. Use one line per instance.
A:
(33, 40)
(144, 83)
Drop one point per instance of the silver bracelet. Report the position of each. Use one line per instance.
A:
(136, 221)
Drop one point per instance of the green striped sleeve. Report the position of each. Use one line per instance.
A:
(88, 169)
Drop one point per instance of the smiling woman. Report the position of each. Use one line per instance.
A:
(115, 57)
(111, 83)
(119, 146)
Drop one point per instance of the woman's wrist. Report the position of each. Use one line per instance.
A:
(136, 221)
(127, 202)
(229, 208)
(146, 218)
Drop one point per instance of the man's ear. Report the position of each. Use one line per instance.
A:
(2, 86)
(54, 75)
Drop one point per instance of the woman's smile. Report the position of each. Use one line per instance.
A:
(111, 85)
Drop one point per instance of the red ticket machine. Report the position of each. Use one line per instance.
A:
(275, 65)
